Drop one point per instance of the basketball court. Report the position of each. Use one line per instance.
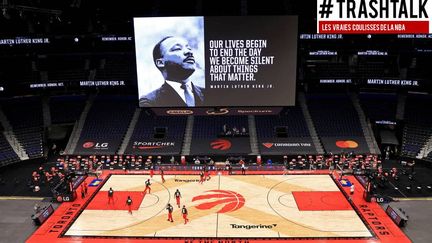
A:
(254, 207)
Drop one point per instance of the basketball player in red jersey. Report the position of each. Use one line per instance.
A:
(177, 196)
(170, 209)
(201, 177)
(185, 214)
(129, 204)
(147, 184)
(162, 175)
(151, 171)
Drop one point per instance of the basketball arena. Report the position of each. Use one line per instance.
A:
(214, 121)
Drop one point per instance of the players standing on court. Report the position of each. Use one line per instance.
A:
(185, 214)
(85, 187)
(147, 186)
(177, 196)
(206, 174)
(151, 171)
(352, 188)
(242, 166)
(129, 204)
(170, 209)
(286, 169)
(162, 175)
(110, 195)
(201, 174)
(83, 195)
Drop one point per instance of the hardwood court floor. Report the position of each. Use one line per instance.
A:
(252, 206)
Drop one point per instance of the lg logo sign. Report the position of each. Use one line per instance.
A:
(88, 145)
(101, 145)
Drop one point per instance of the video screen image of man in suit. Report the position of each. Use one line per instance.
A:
(175, 59)
(216, 61)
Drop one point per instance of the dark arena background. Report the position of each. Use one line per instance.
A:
(209, 121)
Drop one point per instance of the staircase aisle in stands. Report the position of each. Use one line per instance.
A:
(400, 109)
(365, 125)
(10, 137)
(188, 136)
(309, 123)
(426, 149)
(46, 112)
(130, 131)
(253, 138)
(76, 132)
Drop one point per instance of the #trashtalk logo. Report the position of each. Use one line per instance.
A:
(221, 144)
(374, 17)
(231, 201)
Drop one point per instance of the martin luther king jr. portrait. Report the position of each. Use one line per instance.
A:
(178, 57)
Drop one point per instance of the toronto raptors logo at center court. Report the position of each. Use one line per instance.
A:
(230, 200)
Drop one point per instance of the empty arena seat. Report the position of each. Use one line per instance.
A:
(116, 67)
(146, 124)
(418, 121)
(334, 115)
(66, 109)
(291, 119)
(7, 154)
(108, 120)
(25, 117)
(379, 106)
(212, 126)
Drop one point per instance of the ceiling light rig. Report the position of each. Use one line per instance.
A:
(23, 10)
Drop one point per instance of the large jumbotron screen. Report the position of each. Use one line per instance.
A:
(216, 61)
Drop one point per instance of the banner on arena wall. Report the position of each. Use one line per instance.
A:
(88, 146)
(221, 146)
(154, 147)
(375, 82)
(233, 60)
(226, 111)
(281, 146)
(345, 144)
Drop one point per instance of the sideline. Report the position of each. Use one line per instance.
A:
(21, 198)
(414, 199)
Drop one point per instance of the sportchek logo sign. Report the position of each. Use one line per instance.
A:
(374, 16)
(229, 200)
(95, 145)
(274, 145)
(151, 145)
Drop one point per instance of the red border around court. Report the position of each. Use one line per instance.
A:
(372, 213)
